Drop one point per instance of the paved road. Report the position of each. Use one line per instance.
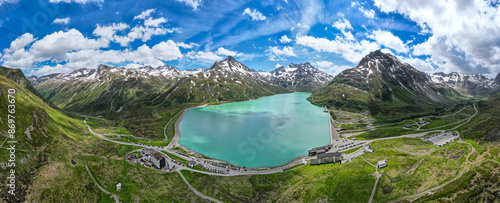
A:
(101, 188)
(430, 191)
(467, 120)
(374, 188)
(165, 128)
(201, 161)
(252, 172)
(334, 135)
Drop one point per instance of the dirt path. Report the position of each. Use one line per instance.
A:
(292, 187)
(377, 176)
(196, 192)
(99, 186)
(431, 191)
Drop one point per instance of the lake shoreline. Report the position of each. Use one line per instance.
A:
(175, 141)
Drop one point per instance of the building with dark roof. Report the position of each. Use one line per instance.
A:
(158, 160)
(191, 164)
(320, 150)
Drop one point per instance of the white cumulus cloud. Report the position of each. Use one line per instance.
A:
(465, 35)
(352, 51)
(329, 67)
(61, 20)
(276, 54)
(151, 27)
(145, 14)
(154, 22)
(254, 14)
(71, 50)
(20, 42)
(284, 39)
(342, 24)
(202, 55)
(225, 52)
(367, 13)
(187, 46)
(192, 3)
(387, 39)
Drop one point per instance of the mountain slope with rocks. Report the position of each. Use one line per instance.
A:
(110, 90)
(471, 85)
(298, 77)
(384, 85)
(106, 89)
(227, 80)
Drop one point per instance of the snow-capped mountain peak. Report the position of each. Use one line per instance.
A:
(475, 85)
(231, 65)
(298, 77)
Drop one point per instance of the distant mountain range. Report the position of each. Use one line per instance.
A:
(386, 86)
(109, 89)
(298, 77)
(380, 83)
(470, 85)
(227, 80)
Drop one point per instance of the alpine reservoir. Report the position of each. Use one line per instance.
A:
(266, 132)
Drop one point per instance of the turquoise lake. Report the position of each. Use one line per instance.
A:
(269, 131)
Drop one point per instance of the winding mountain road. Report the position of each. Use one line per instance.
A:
(277, 169)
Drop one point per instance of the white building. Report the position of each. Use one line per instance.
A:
(118, 186)
(368, 149)
(382, 164)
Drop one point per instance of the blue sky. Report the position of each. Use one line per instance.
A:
(48, 36)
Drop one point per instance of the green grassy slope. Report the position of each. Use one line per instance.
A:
(387, 87)
(414, 166)
(113, 94)
(204, 90)
(18, 76)
(485, 127)
(50, 161)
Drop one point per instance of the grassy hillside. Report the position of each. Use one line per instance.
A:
(342, 97)
(485, 127)
(204, 90)
(53, 149)
(414, 166)
(18, 76)
(109, 96)
(386, 87)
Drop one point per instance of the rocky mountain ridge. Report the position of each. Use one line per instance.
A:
(472, 85)
(384, 85)
(298, 77)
